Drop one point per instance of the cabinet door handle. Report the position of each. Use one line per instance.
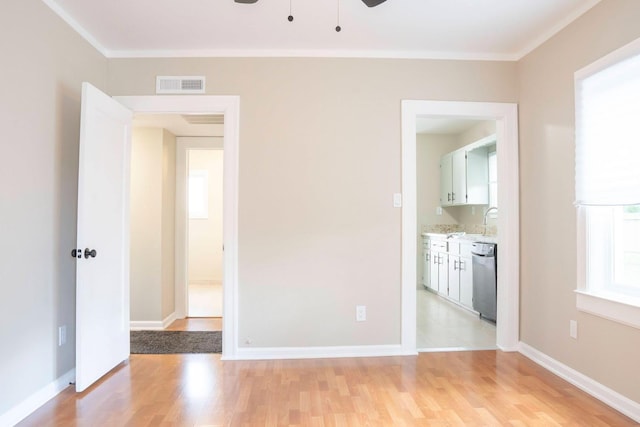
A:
(462, 264)
(448, 197)
(455, 265)
(453, 197)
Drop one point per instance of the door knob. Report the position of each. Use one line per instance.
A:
(90, 253)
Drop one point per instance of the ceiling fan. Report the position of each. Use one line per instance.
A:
(370, 3)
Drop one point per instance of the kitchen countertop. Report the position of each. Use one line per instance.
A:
(469, 237)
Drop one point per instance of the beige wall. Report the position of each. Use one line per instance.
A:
(152, 224)
(43, 65)
(205, 235)
(319, 163)
(605, 351)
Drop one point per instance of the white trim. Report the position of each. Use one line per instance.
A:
(53, 5)
(283, 353)
(25, 408)
(601, 392)
(610, 307)
(312, 53)
(448, 349)
(585, 5)
(630, 49)
(169, 320)
(146, 325)
(506, 116)
(230, 107)
(152, 325)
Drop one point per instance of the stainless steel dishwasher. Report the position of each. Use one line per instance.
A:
(484, 260)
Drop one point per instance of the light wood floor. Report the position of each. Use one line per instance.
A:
(483, 388)
(196, 324)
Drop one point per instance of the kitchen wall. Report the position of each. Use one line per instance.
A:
(605, 350)
(319, 163)
(205, 234)
(152, 224)
(44, 64)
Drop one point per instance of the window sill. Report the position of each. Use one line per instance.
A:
(610, 307)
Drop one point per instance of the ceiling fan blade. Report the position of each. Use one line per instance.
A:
(248, 1)
(373, 3)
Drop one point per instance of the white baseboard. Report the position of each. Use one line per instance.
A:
(25, 408)
(271, 353)
(601, 392)
(169, 320)
(152, 325)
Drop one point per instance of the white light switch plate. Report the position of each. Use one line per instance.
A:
(397, 200)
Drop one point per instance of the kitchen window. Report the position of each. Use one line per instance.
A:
(608, 186)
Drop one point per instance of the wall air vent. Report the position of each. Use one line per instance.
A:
(179, 85)
(204, 119)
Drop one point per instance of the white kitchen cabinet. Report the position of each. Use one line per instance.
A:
(464, 177)
(453, 291)
(466, 282)
(426, 263)
(465, 274)
(439, 265)
(450, 269)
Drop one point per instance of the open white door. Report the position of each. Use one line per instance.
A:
(102, 277)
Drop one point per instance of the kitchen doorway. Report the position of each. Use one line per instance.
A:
(456, 156)
(505, 115)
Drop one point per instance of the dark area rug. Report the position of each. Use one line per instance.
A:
(173, 342)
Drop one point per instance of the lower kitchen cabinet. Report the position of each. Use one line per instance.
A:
(439, 265)
(447, 269)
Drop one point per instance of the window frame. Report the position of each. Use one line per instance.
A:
(598, 299)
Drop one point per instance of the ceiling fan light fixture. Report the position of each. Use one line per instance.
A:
(373, 3)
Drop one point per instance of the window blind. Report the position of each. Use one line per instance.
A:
(608, 130)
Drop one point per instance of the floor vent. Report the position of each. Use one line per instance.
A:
(179, 84)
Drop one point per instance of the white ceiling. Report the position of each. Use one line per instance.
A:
(460, 29)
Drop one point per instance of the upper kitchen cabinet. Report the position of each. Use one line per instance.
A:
(464, 175)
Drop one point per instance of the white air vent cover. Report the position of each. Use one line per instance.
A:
(179, 84)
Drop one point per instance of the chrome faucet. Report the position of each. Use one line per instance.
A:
(484, 220)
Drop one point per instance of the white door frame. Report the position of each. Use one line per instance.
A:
(230, 107)
(182, 218)
(506, 117)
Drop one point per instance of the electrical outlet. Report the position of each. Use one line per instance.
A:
(361, 313)
(62, 335)
(439, 210)
(573, 329)
(473, 210)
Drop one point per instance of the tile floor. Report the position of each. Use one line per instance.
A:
(445, 325)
